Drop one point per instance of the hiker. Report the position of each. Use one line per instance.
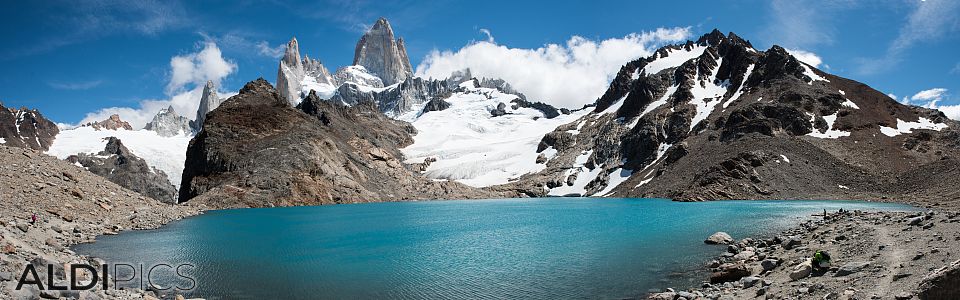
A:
(33, 219)
(821, 260)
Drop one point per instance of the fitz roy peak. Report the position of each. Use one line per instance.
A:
(382, 55)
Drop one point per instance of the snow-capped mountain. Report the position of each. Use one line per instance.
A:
(168, 123)
(718, 119)
(381, 74)
(26, 128)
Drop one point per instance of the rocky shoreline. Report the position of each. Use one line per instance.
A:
(875, 255)
(72, 206)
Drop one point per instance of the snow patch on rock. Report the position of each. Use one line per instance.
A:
(908, 127)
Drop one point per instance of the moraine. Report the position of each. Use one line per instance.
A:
(507, 248)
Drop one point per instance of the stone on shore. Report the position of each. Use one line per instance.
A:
(943, 283)
(719, 238)
(801, 271)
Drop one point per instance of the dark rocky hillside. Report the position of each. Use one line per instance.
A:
(256, 150)
(117, 164)
(26, 128)
(730, 122)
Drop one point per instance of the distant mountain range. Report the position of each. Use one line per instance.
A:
(708, 119)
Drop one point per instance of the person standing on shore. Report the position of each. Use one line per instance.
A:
(33, 218)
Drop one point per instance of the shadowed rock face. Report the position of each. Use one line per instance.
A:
(26, 128)
(382, 55)
(117, 164)
(733, 122)
(256, 151)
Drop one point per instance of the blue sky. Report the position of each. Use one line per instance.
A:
(71, 58)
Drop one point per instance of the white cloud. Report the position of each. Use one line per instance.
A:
(197, 68)
(934, 94)
(807, 57)
(83, 85)
(275, 52)
(956, 69)
(892, 96)
(568, 75)
(931, 99)
(487, 33)
(194, 68)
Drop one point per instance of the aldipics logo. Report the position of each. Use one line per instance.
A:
(88, 277)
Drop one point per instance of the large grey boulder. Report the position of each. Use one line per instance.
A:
(719, 238)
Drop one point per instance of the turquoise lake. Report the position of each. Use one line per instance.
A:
(511, 248)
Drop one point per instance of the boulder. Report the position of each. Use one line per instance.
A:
(801, 270)
(745, 255)
(769, 264)
(729, 273)
(943, 283)
(719, 238)
(749, 281)
(852, 267)
(792, 243)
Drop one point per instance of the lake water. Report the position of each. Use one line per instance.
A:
(509, 248)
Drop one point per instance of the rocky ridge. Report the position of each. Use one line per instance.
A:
(26, 128)
(257, 151)
(718, 119)
(111, 123)
(168, 123)
(117, 164)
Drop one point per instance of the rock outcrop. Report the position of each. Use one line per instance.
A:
(168, 123)
(255, 151)
(383, 55)
(208, 102)
(117, 164)
(112, 123)
(26, 128)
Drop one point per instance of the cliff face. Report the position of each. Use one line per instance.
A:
(117, 164)
(26, 128)
(256, 151)
(383, 55)
(208, 102)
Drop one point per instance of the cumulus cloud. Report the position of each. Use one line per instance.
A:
(931, 99)
(189, 73)
(934, 94)
(568, 75)
(807, 57)
(197, 68)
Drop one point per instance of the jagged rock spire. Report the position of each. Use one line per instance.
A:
(290, 73)
(208, 102)
(383, 55)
